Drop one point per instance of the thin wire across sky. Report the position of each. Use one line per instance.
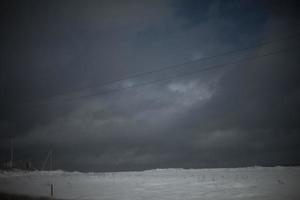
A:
(175, 67)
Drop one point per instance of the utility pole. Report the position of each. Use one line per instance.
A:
(48, 157)
(11, 153)
(50, 160)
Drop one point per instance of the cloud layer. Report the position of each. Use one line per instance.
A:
(57, 53)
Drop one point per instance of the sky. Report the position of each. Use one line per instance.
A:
(142, 84)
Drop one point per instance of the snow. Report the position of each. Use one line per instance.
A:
(167, 184)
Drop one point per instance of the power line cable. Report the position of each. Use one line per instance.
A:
(247, 59)
(201, 59)
(181, 65)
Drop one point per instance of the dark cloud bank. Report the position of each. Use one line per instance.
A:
(243, 114)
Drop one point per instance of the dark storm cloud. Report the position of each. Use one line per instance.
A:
(244, 114)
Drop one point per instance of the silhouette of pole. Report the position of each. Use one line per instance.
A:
(11, 153)
(50, 160)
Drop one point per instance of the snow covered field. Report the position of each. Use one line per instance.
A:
(163, 184)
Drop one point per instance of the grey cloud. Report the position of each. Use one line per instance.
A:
(243, 114)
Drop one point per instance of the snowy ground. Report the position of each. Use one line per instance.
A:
(165, 184)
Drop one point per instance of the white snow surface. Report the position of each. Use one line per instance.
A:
(265, 183)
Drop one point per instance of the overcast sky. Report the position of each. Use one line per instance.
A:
(57, 56)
